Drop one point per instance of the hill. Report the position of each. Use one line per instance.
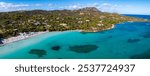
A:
(88, 19)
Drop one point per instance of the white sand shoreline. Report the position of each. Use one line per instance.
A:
(22, 36)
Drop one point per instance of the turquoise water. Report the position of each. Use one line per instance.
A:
(126, 40)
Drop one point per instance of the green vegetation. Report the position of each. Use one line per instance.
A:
(87, 19)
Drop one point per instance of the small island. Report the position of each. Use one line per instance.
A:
(19, 25)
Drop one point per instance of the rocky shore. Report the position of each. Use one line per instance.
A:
(96, 30)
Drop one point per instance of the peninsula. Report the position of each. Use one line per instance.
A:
(88, 19)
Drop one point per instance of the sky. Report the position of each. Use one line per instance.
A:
(112, 6)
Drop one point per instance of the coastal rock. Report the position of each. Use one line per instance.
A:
(38, 52)
(56, 48)
(83, 48)
(84, 32)
(145, 55)
(133, 40)
(146, 35)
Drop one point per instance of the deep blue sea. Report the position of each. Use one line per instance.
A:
(138, 16)
(129, 40)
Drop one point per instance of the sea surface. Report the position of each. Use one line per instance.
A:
(129, 40)
(147, 17)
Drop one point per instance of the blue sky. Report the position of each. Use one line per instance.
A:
(118, 6)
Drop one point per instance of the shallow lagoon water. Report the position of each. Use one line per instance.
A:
(127, 40)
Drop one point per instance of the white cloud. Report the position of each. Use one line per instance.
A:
(78, 6)
(106, 7)
(38, 5)
(130, 9)
(74, 6)
(11, 7)
(95, 4)
(4, 6)
(50, 4)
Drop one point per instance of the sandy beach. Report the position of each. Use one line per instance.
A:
(112, 26)
(22, 36)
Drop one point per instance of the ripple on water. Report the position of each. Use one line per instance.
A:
(38, 52)
(145, 55)
(133, 40)
(83, 48)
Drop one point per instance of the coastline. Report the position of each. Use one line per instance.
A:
(113, 26)
(24, 36)
(21, 37)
